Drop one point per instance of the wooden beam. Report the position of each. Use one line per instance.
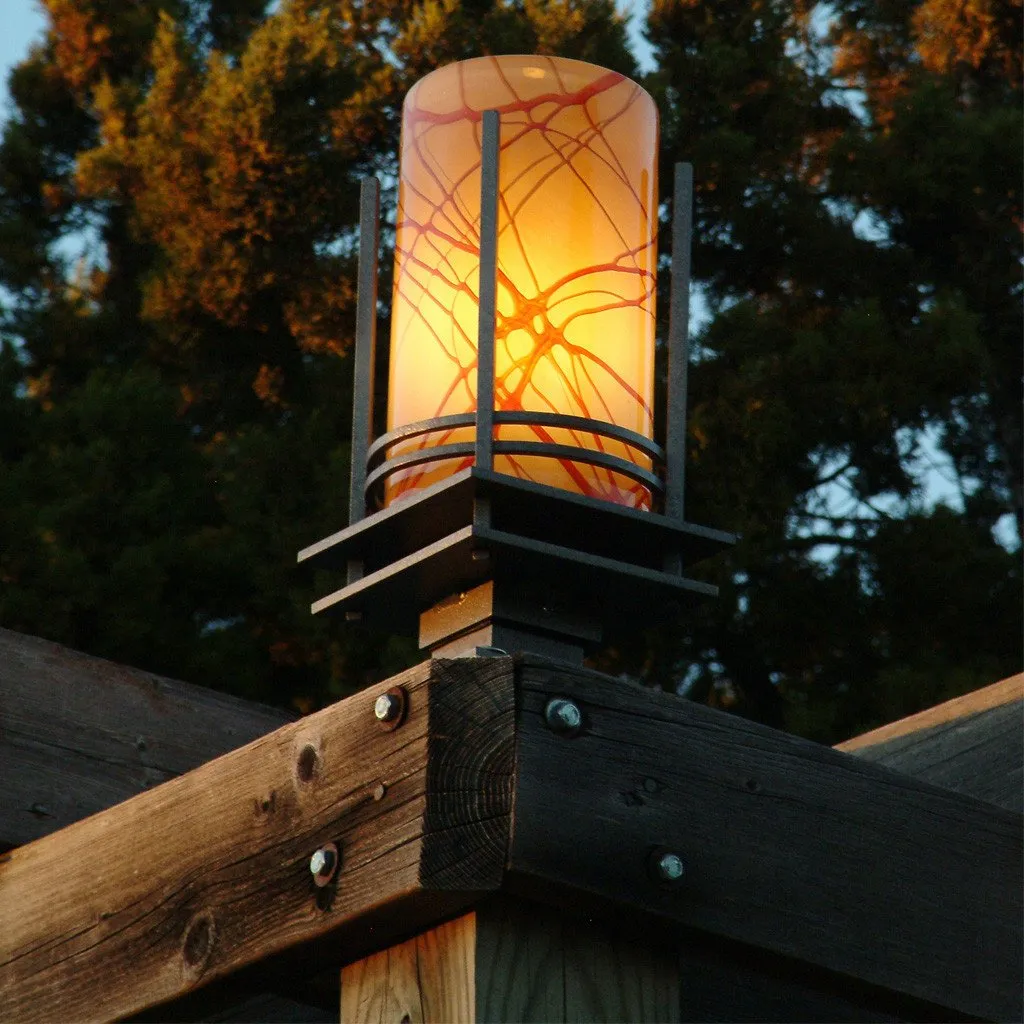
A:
(79, 734)
(791, 847)
(210, 871)
(973, 744)
(799, 851)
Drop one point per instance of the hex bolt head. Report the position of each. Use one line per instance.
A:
(386, 707)
(670, 867)
(323, 864)
(563, 716)
(389, 708)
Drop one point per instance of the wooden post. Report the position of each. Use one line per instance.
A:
(514, 960)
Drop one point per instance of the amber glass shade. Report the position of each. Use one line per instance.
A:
(577, 227)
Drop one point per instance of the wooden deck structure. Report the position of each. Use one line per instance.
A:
(157, 841)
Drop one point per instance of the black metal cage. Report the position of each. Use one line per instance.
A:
(604, 560)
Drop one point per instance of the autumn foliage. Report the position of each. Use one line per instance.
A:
(178, 191)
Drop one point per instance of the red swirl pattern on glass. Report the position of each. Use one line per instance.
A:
(577, 222)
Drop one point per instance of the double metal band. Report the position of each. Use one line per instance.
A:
(529, 419)
(542, 449)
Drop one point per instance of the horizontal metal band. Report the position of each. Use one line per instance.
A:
(589, 457)
(518, 418)
(436, 454)
(411, 430)
(585, 424)
(536, 449)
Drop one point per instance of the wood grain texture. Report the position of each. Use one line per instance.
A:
(520, 966)
(973, 744)
(209, 872)
(512, 960)
(791, 847)
(426, 979)
(79, 734)
(615, 977)
(537, 963)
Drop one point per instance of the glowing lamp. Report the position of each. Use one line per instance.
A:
(518, 499)
(576, 259)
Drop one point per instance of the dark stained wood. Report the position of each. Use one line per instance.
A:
(537, 963)
(79, 734)
(973, 744)
(209, 872)
(792, 847)
(470, 766)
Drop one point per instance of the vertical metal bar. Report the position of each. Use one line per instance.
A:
(678, 343)
(366, 344)
(488, 289)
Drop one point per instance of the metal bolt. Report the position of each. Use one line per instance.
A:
(323, 863)
(670, 867)
(563, 716)
(387, 707)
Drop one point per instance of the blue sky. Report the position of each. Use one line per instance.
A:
(22, 24)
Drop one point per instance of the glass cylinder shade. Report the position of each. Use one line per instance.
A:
(576, 255)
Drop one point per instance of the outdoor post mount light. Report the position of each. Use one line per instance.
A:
(520, 502)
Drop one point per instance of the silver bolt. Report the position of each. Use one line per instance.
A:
(323, 863)
(563, 716)
(671, 867)
(387, 707)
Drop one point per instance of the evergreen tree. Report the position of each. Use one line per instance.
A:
(175, 397)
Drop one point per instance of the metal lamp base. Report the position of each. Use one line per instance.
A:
(559, 566)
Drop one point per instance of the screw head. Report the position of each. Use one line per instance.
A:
(323, 863)
(563, 716)
(670, 867)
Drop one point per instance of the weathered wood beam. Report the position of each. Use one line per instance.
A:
(972, 744)
(789, 846)
(79, 734)
(210, 872)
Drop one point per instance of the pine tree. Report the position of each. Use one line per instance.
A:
(177, 219)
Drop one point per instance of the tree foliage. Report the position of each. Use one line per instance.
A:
(178, 187)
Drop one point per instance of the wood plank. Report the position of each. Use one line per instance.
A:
(795, 848)
(610, 976)
(539, 963)
(973, 744)
(520, 965)
(79, 734)
(425, 979)
(209, 872)
(512, 960)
